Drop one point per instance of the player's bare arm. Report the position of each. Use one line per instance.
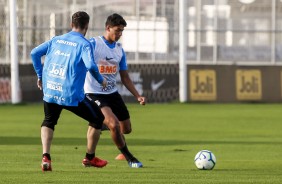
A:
(39, 84)
(104, 83)
(127, 82)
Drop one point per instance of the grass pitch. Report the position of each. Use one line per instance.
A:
(245, 138)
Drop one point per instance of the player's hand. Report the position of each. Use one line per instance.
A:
(104, 83)
(39, 84)
(141, 100)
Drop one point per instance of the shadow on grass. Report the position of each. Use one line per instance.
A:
(136, 142)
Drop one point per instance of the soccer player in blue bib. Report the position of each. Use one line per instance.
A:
(111, 60)
(68, 58)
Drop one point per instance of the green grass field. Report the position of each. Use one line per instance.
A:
(245, 138)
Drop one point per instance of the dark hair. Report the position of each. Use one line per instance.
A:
(80, 19)
(115, 20)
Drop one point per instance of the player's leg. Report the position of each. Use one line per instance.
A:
(126, 129)
(52, 114)
(120, 110)
(112, 123)
(125, 126)
(111, 104)
(93, 136)
(89, 111)
(46, 139)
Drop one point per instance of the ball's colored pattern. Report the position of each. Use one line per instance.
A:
(205, 160)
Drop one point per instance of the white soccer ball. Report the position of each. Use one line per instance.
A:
(205, 160)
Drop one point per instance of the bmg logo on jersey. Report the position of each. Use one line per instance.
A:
(248, 85)
(57, 71)
(107, 69)
(203, 85)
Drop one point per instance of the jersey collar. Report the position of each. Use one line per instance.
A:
(111, 45)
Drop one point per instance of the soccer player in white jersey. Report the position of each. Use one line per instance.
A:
(111, 60)
(68, 57)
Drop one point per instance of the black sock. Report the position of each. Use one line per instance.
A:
(47, 155)
(126, 153)
(90, 156)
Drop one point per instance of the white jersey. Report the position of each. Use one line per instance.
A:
(108, 59)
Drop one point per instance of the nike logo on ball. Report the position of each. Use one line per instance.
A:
(155, 86)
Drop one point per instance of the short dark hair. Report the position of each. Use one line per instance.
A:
(115, 20)
(80, 19)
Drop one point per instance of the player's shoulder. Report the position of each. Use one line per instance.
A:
(84, 42)
(92, 42)
(71, 39)
(92, 39)
(55, 38)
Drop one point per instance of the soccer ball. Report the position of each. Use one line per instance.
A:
(205, 160)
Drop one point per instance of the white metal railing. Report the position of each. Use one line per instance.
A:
(213, 33)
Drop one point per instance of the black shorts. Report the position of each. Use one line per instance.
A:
(86, 109)
(114, 101)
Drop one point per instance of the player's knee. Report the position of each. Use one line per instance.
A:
(113, 125)
(49, 124)
(126, 130)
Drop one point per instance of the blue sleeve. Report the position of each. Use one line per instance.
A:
(88, 59)
(36, 55)
(123, 63)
